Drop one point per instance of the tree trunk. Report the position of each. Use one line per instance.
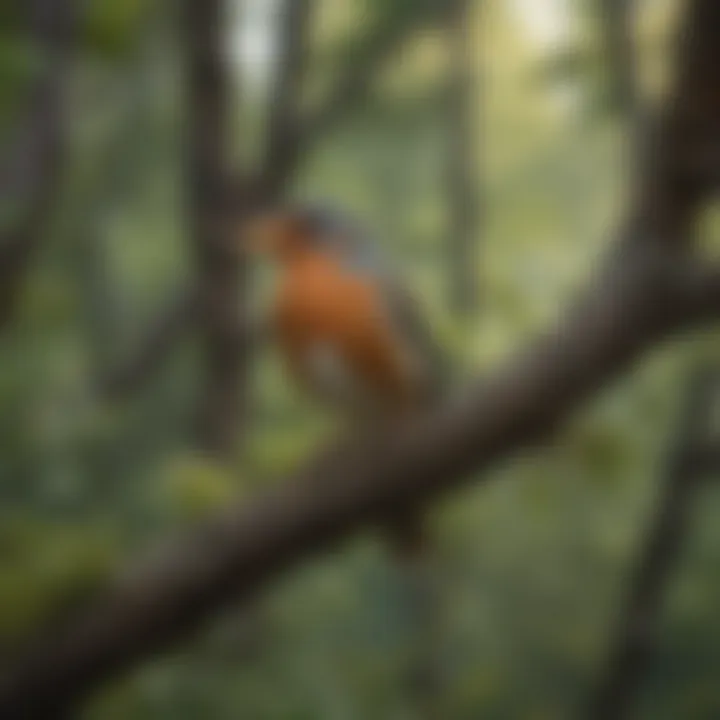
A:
(220, 273)
(32, 166)
(462, 185)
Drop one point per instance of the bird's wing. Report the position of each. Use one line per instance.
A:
(409, 323)
(362, 256)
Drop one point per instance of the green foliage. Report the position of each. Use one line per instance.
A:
(19, 65)
(195, 485)
(111, 27)
(48, 568)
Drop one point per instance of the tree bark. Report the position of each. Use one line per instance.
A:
(348, 93)
(220, 273)
(235, 555)
(284, 114)
(34, 162)
(462, 187)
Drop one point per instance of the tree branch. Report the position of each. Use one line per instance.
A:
(632, 305)
(232, 557)
(687, 132)
(289, 137)
(702, 292)
(163, 334)
(153, 348)
(220, 275)
(350, 91)
(284, 114)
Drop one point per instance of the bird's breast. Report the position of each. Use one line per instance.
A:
(331, 330)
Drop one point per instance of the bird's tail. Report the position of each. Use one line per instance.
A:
(421, 591)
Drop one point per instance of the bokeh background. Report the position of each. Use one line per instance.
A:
(490, 147)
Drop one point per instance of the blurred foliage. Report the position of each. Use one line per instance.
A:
(194, 486)
(19, 64)
(48, 567)
(534, 557)
(110, 27)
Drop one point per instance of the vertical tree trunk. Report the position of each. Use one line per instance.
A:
(33, 165)
(284, 117)
(462, 185)
(220, 274)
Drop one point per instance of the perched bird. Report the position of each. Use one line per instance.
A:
(348, 329)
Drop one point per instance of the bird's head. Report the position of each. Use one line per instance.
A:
(286, 233)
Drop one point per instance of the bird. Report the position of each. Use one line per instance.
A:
(349, 330)
(351, 333)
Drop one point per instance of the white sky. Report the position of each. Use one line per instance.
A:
(546, 21)
(252, 44)
(253, 47)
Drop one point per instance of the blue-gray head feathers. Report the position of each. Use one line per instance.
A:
(339, 231)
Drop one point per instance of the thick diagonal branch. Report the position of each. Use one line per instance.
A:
(234, 556)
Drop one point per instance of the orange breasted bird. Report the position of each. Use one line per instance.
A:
(347, 328)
